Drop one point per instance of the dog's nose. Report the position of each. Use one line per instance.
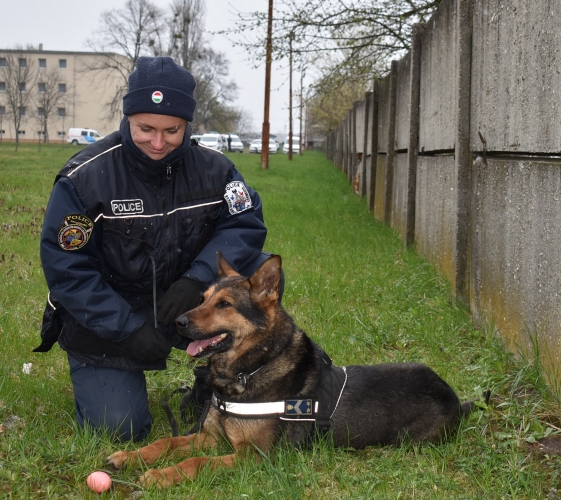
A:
(182, 321)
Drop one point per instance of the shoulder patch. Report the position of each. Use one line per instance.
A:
(237, 197)
(75, 231)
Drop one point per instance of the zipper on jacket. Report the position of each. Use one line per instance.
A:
(169, 172)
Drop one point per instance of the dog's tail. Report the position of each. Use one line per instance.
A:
(468, 406)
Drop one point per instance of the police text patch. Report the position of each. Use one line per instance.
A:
(237, 197)
(75, 231)
(127, 207)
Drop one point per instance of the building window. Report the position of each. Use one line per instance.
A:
(42, 88)
(2, 62)
(61, 133)
(22, 62)
(62, 112)
(21, 132)
(40, 132)
(62, 88)
(21, 86)
(22, 110)
(62, 63)
(2, 110)
(41, 112)
(2, 86)
(42, 63)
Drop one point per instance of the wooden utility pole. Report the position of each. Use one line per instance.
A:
(302, 73)
(290, 134)
(268, 58)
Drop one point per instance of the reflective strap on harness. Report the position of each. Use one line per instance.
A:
(273, 409)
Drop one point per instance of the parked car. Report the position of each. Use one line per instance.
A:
(236, 145)
(295, 145)
(82, 136)
(255, 146)
(213, 141)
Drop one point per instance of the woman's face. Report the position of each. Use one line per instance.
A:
(157, 135)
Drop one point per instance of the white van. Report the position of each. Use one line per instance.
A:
(213, 141)
(82, 136)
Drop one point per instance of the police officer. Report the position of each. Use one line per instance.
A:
(129, 242)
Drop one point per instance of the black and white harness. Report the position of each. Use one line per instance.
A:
(318, 407)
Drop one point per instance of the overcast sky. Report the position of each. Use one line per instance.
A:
(67, 24)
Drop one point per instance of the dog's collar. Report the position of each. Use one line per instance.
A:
(307, 409)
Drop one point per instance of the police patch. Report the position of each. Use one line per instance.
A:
(75, 231)
(127, 207)
(237, 197)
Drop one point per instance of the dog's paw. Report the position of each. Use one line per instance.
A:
(120, 458)
(159, 478)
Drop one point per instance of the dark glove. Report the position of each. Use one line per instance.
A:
(182, 296)
(148, 344)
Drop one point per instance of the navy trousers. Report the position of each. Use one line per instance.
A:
(111, 399)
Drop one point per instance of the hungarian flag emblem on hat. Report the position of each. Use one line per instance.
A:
(157, 97)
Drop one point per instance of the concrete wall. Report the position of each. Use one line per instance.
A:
(399, 195)
(360, 117)
(402, 108)
(434, 224)
(438, 83)
(516, 262)
(516, 82)
(469, 122)
(383, 114)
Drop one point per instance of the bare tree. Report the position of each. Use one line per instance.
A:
(19, 76)
(125, 35)
(185, 41)
(52, 93)
(214, 93)
(142, 29)
(347, 40)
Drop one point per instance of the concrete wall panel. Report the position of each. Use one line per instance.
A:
(516, 263)
(383, 114)
(399, 195)
(438, 81)
(435, 212)
(359, 125)
(403, 103)
(516, 81)
(370, 98)
(380, 188)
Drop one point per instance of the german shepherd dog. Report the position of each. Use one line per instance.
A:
(258, 355)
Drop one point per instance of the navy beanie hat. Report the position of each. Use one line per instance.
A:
(160, 86)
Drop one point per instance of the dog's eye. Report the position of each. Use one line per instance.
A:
(224, 304)
(201, 298)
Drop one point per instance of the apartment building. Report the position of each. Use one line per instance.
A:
(50, 91)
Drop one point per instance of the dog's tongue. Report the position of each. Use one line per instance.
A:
(194, 347)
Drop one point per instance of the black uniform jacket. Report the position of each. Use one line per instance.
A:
(119, 229)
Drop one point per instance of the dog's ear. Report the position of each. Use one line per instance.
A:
(224, 269)
(265, 282)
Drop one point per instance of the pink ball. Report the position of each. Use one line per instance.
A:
(99, 481)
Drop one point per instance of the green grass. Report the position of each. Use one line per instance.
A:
(355, 289)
